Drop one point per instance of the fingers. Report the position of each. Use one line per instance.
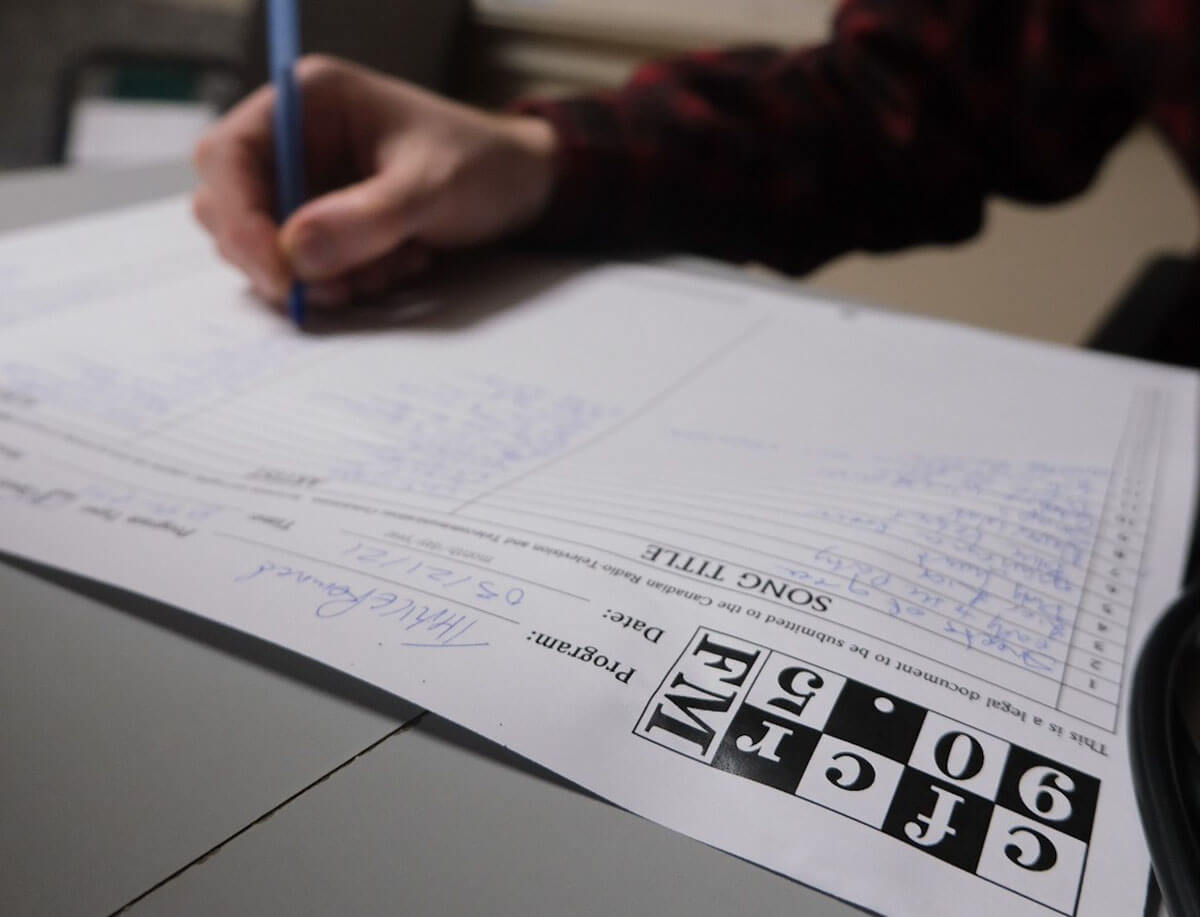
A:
(372, 280)
(247, 239)
(234, 199)
(353, 242)
(235, 157)
(349, 229)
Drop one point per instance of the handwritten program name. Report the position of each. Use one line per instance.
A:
(429, 625)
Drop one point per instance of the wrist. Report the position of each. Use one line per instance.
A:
(538, 143)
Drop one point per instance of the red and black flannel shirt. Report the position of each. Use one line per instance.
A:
(891, 134)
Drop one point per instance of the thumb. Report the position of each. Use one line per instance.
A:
(353, 226)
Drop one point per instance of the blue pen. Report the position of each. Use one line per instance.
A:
(283, 38)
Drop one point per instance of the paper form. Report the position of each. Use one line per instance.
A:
(852, 595)
(77, 263)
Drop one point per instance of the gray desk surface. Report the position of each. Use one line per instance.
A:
(150, 759)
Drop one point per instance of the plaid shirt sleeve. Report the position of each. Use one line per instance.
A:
(891, 134)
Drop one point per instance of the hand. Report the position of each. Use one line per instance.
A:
(400, 172)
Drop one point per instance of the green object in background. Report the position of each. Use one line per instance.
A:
(165, 84)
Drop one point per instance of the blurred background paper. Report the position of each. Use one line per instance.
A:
(114, 132)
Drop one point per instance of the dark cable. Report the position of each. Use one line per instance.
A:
(1163, 757)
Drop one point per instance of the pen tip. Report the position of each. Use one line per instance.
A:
(296, 305)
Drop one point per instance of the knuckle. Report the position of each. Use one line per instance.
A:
(224, 250)
(235, 237)
(202, 207)
(242, 236)
(444, 168)
(308, 233)
(205, 150)
(451, 166)
(319, 68)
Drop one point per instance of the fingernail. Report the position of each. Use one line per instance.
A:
(313, 254)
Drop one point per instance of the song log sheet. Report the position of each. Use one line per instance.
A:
(852, 595)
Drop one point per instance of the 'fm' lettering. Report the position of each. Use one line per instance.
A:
(685, 703)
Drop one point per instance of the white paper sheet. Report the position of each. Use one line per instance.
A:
(852, 595)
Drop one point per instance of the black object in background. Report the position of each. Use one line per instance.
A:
(1165, 751)
(412, 39)
(1158, 316)
(1157, 319)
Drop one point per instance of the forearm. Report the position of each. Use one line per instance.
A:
(892, 134)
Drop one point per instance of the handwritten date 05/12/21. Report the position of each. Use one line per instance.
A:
(414, 569)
